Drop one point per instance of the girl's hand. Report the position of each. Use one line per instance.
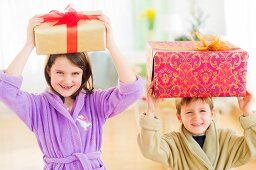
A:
(34, 21)
(246, 103)
(151, 100)
(110, 39)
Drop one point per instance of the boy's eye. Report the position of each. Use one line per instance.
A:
(188, 112)
(202, 110)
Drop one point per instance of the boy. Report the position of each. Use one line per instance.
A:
(198, 145)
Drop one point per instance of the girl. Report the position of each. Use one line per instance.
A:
(67, 119)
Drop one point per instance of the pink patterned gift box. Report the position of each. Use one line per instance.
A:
(179, 70)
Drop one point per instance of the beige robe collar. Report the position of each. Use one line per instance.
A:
(209, 154)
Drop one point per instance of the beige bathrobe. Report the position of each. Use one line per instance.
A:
(222, 149)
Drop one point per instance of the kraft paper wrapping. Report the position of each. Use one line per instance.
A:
(91, 36)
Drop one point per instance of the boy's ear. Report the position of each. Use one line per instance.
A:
(179, 117)
(214, 110)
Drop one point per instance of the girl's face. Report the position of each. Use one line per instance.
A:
(66, 78)
(196, 117)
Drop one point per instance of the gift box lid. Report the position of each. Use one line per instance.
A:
(180, 46)
(88, 35)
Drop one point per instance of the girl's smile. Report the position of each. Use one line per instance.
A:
(66, 77)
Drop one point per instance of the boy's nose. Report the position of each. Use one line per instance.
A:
(196, 115)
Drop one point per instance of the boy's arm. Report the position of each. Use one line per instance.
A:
(242, 149)
(151, 144)
(248, 122)
(124, 71)
(17, 65)
(249, 125)
(151, 99)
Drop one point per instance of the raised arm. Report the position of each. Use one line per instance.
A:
(17, 65)
(22, 103)
(243, 148)
(151, 100)
(124, 71)
(245, 103)
(152, 145)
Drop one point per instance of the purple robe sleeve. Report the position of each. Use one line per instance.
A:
(17, 100)
(115, 100)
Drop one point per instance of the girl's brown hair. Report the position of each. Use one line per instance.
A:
(79, 59)
(187, 100)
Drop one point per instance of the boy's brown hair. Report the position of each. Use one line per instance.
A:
(187, 100)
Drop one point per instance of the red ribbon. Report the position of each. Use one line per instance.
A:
(70, 18)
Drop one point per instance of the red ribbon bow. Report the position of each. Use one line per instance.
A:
(71, 17)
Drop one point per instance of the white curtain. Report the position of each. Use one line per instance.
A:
(13, 24)
(240, 29)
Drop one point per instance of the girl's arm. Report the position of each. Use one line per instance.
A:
(22, 103)
(124, 71)
(17, 65)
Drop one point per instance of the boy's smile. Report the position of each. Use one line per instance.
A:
(196, 117)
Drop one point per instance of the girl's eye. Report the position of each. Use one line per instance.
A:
(58, 72)
(202, 110)
(188, 112)
(76, 73)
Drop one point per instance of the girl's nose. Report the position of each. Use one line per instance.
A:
(68, 79)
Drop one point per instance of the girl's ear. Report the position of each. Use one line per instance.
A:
(179, 117)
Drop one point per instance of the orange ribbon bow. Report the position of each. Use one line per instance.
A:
(209, 42)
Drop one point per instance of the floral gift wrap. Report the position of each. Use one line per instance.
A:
(70, 32)
(179, 69)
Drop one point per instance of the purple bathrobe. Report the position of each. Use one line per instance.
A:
(70, 141)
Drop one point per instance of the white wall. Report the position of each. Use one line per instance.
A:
(232, 19)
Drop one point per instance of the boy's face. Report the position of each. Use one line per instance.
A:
(66, 77)
(196, 117)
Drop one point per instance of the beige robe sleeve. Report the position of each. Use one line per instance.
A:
(249, 125)
(240, 149)
(150, 142)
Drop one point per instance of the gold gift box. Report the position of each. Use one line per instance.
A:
(52, 39)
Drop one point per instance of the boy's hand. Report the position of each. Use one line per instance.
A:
(246, 103)
(151, 100)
